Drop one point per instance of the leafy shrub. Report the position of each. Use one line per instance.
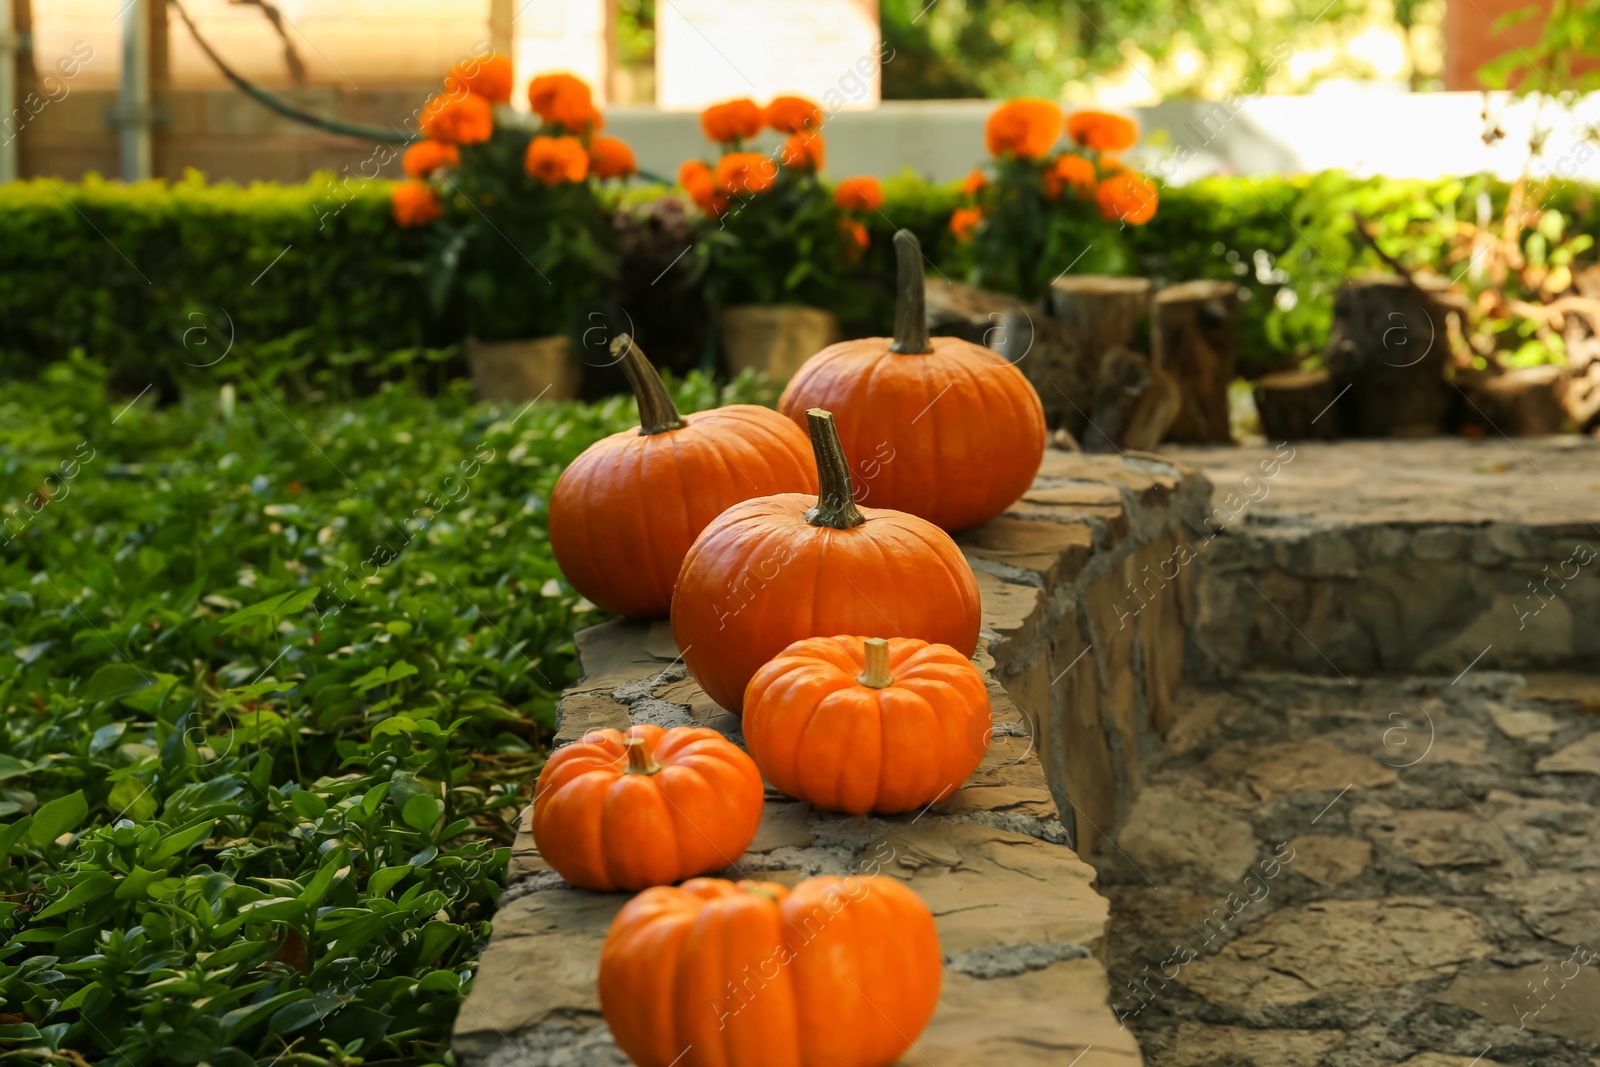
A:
(342, 292)
(272, 686)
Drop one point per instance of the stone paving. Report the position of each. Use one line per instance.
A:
(1363, 873)
(1421, 555)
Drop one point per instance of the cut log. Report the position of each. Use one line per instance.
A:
(1135, 404)
(1525, 402)
(1031, 340)
(1196, 338)
(1102, 312)
(1296, 406)
(1389, 345)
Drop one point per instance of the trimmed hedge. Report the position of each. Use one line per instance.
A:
(149, 273)
(153, 279)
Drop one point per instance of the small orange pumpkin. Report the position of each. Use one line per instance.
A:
(624, 513)
(777, 569)
(963, 428)
(649, 808)
(858, 725)
(841, 972)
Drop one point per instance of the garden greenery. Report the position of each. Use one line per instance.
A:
(272, 684)
(157, 281)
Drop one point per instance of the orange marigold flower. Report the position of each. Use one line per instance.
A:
(490, 77)
(415, 204)
(565, 100)
(1128, 196)
(745, 172)
(696, 179)
(791, 114)
(610, 157)
(425, 157)
(964, 220)
(857, 237)
(734, 120)
(469, 120)
(804, 149)
(859, 194)
(976, 182)
(1102, 131)
(1025, 128)
(1070, 170)
(554, 160)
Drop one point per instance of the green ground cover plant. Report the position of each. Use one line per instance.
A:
(275, 680)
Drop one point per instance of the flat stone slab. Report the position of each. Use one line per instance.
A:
(1541, 481)
(1435, 903)
(1019, 919)
(1422, 556)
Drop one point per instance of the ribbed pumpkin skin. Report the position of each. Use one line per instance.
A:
(623, 514)
(821, 735)
(603, 829)
(761, 578)
(838, 972)
(955, 435)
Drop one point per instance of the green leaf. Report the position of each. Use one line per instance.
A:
(182, 839)
(138, 880)
(76, 1000)
(386, 879)
(92, 887)
(11, 833)
(307, 805)
(11, 767)
(422, 812)
(260, 610)
(114, 681)
(57, 817)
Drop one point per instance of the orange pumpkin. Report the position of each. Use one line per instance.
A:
(963, 429)
(771, 571)
(649, 808)
(837, 972)
(625, 512)
(867, 725)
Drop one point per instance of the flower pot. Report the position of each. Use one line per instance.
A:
(775, 340)
(515, 372)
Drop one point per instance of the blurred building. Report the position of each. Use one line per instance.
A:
(371, 62)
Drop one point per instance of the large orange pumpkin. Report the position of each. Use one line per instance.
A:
(623, 514)
(867, 725)
(837, 972)
(771, 571)
(952, 431)
(649, 808)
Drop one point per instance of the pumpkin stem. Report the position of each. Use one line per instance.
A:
(639, 759)
(876, 675)
(657, 413)
(836, 502)
(911, 302)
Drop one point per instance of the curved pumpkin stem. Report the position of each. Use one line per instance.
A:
(657, 412)
(836, 501)
(911, 300)
(639, 759)
(876, 675)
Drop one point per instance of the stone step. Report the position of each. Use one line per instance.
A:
(1432, 555)
(1083, 649)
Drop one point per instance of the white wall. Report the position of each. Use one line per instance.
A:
(1422, 135)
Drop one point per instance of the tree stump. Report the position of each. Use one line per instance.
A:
(1134, 403)
(1032, 341)
(1196, 338)
(1101, 312)
(1525, 402)
(1389, 345)
(1295, 406)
